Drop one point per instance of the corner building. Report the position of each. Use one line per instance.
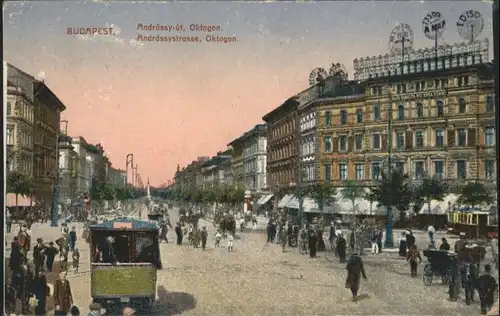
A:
(443, 123)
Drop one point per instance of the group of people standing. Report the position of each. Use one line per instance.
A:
(28, 283)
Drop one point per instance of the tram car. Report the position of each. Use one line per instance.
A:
(474, 223)
(125, 257)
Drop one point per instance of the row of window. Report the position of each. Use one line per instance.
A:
(409, 140)
(281, 153)
(21, 109)
(308, 147)
(401, 111)
(43, 165)
(281, 177)
(419, 171)
(23, 165)
(308, 172)
(255, 146)
(283, 129)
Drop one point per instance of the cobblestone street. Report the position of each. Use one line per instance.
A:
(259, 279)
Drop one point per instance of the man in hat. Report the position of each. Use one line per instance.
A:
(204, 237)
(63, 298)
(486, 288)
(95, 309)
(341, 247)
(38, 255)
(355, 270)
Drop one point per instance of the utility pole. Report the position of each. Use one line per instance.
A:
(389, 240)
(55, 186)
(129, 160)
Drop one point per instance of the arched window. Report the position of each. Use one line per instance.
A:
(490, 104)
(401, 112)
(376, 112)
(343, 117)
(440, 108)
(462, 105)
(359, 116)
(420, 110)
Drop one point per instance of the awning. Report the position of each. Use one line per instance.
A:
(266, 198)
(284, 201)
(21, 200)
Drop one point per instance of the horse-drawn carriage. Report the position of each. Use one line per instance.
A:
(438, 266)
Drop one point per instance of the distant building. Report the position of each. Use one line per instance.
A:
(68, 166)
(282, 145)
(216, 169)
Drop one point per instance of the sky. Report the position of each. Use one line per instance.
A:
(169, 103)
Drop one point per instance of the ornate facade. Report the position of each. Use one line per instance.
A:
(442, 125)
(282, 144)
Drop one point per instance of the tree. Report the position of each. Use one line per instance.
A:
(323, 194)
(352, 192)
(19, 184)
(393, 191)
(474, 194)
(431, 189)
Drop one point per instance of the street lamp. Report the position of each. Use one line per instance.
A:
(129, 160)
(389, 239)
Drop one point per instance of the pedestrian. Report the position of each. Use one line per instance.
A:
(41, 291)
(24, 240)
(76, 259)
(74, 311)
(374, 242)
(410, 239)
(313, 242)
(38, 255)
(355, 270)
(486, 288)
(403, 246)
(469, 275)
(379, 239)
(269, 231)
(8, 222)
(63, 298)
(63, 259)
(230, 240)
(321, 241)
(414, 258)
(289, 232)
(72, 238)
(178, 233)
(254, 222)
(204, 236)
(431, 231)
(15, 258)
(341, 247)
(94, 309)
(454, 271)
(218, 237)
(444, 245)
(50, 254)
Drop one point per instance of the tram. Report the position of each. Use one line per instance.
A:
(474, 223)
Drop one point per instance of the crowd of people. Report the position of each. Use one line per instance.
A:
(28, 281)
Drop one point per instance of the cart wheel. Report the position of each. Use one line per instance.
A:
(427, 276)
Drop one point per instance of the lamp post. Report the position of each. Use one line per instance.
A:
(129, 160)
(389, 240)
(55, 184)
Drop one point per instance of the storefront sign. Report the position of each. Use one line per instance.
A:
(421, 95)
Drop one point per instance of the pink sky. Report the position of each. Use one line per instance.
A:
(170, 103)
